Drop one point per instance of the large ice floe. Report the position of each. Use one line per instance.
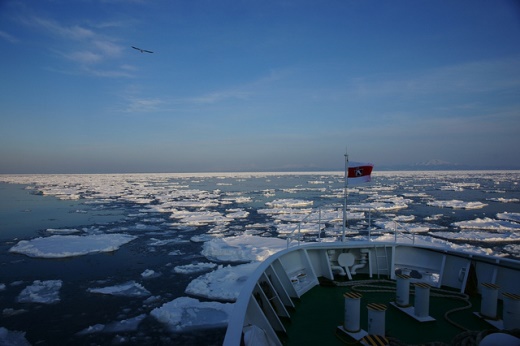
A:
(456, 204)
(59, 246)
(186, 313)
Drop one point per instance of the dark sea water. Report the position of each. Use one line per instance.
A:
(29, 206)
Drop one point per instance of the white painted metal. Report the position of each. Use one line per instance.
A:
(352, 313)
(402, 297)
(488, 307)
(422, 300)
(511, 313)
(304, 264)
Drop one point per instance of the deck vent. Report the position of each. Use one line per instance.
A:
(488, 306)
(376, 319)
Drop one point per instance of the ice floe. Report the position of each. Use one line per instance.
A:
(63, 231)
(457, 204)
(185, 211)
(185, 313)
(45, 292)
(407, 227)
(504, 200)
(488, 224)
(59, 246)
(12, 338)
(127, 289)
(303, 227)
(509, 216)
(127, 325)
(289, 203)
(223, 284)
(150, 274)
(479, 236)
(244, 248)
(194, 268)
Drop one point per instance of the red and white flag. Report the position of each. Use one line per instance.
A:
(359, 172)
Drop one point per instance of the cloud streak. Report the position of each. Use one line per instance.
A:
(87, 47)
(8, 37)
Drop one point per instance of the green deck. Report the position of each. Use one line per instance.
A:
(321, 310)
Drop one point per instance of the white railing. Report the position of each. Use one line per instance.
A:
(404, 234)
(298, 230)
(399, 230)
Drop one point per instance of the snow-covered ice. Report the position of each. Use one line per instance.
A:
(127, 325)
(44, 292)
(127, 289)
(59, 246)
(194, 268)
(185, 313)
(12, 338)
(457, 204)
(233, 231)
(488, 224)
(223, 284)
(480, 236)
(242, 248)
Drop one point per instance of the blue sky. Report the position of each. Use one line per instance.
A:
(249, 85)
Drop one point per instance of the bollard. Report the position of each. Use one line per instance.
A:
(511, 313)
(488, 307)
(352, 309)
(402, 297)
(422, 299)
(376, 319)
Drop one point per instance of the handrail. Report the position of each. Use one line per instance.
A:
(299, 228)
(403, 233)
(398, 229)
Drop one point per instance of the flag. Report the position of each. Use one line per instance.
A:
(359, 172)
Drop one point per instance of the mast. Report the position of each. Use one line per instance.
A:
(345, 193)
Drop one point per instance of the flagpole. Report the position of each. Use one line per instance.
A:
(345, 193)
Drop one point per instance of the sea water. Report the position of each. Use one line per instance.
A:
(172, 216)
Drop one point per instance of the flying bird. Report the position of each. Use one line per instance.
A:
(142, 50)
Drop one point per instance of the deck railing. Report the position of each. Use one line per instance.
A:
(298, 230)
(398, 230)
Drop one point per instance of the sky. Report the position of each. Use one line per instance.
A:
(250, 85)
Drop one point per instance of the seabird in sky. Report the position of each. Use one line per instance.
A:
(142, 50)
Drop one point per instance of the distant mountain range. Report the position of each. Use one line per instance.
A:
(435, 163)
(439, 165)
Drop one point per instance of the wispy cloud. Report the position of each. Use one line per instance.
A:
(108, 48)
(84, 57)
(8, 37)
(73, 32)
(144, 105)
(84, 45)
(242, 91)
(219, 96)
(470, 77)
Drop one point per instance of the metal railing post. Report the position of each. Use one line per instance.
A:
(370, 224)
(299, 232)
(319, 224)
